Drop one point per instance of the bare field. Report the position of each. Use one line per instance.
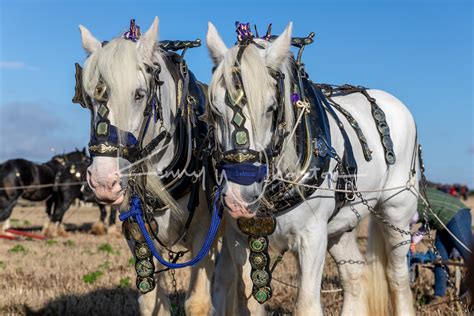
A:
(84, 274)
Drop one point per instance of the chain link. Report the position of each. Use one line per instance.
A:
(402, 243)
(386, 222)
(174, 284)
(350, 261)
(357, 214)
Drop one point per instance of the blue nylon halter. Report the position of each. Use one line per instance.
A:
(243, 173)
(136, 212)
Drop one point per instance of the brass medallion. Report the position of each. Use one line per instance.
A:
(257, 226)
(142, 251)
(262, 295)
(145, 268)
(145, 284)
(260, 278)
(258, 244)
(258, 260)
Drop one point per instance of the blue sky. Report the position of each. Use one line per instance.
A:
(420, 51)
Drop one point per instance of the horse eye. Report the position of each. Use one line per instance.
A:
(139, 94)
(100, 92)
(272, 108)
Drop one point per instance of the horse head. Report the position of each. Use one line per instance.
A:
(249, 104)
(118, 86)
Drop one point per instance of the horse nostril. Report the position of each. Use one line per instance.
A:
(115, 181)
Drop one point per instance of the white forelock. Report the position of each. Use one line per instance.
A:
(258, 84)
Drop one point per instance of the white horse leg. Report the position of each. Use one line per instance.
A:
(387, 273)
(344, 248)
(198, 298)
(156, 302)
(397, 271)
(311, 255)
(224, 287)
(398, 208)
(5, 225)
(398, 275)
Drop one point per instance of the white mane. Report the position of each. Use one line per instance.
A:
(257, 85)
(117, 63)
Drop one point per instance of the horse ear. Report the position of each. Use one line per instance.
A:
(277, 52)
(147, 42)
(84, 150)
(89, 42)
(215, 44)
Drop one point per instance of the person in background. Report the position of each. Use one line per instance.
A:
(464, 192)
(448, 213)
(453, 191)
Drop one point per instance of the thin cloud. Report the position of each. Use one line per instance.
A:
(29, 130)
(16, 65)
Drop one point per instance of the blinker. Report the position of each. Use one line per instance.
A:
(79, 96)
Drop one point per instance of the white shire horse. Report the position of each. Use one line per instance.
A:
(310, 228)
(121, 67)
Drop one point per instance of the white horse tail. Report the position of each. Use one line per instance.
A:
(377, 285)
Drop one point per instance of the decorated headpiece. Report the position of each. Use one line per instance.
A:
(133, 33)
(244, 33)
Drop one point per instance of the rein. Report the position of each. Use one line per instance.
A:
(136, 212)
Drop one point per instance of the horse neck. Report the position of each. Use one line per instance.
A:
(54, 164)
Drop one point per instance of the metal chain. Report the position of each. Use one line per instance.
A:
(350, 261)
(426, 203)
(425, 232)
(386, 222)
(357, 214)
(402, 243)
(174, 284)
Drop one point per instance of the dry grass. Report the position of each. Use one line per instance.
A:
(93, 275)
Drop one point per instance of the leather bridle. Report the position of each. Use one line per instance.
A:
(107, 139)
(242, 164)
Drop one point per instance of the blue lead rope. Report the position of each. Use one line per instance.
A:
(136, 213)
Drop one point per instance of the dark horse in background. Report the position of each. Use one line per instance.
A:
(70, 187)
(20, 178)
(58, 182)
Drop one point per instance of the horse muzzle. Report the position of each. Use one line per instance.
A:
(104, 180)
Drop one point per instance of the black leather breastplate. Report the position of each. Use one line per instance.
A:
(314, 127)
